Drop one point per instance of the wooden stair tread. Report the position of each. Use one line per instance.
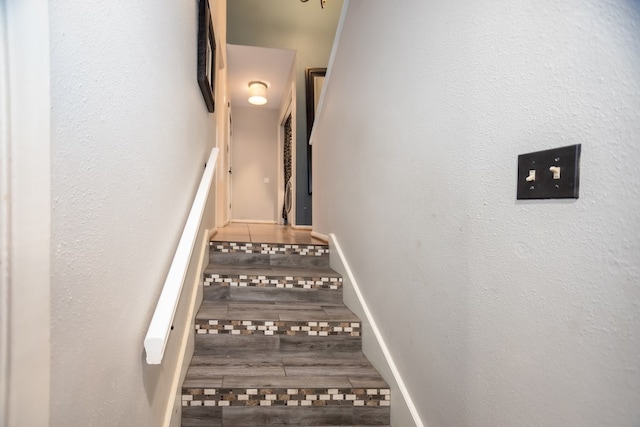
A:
(272, 369)
(274, 311)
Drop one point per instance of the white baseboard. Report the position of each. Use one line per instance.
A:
(320, 236)
(173, 414)
(403, 410)
(253, 221)
(302, 227)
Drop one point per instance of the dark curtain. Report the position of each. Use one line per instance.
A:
(288, 135)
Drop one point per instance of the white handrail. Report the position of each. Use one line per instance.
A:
(156, 340)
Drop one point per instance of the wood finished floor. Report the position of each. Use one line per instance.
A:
(264, 233)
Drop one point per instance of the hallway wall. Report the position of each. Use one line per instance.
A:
(497, 312)
(255, 157)
(130, 134)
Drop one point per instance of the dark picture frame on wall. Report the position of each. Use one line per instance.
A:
(206, 55)
(314, 81)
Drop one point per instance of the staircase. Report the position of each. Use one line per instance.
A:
(275, 345)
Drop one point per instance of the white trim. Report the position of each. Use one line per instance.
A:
(30, 250)
(332, 57)
(302, 227)
(320, 236)
(337, 250)
(253, 221)
(227, 166)
(172, 416)
(157, 336)
(294, 156)
(5, 195)
(222, 198)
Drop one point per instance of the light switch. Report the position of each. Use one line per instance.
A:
(267, 180)
(555, 170)
(549, 174)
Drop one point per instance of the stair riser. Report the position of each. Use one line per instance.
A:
(271, 397)
(273, 281)
(329, 296)
(278, 327)
(238, 416)
(215, 344)
(269, 248)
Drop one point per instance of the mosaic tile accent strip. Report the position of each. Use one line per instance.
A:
(262, 281)
(286, 397)
(275, 327)
(269, 248)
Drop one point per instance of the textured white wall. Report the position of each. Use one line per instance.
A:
(130, 135)
(498, 312)
(255, 157)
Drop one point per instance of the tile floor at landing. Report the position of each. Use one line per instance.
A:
(265, 233)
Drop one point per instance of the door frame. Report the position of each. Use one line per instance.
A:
(5, 175)
(223, 165)
(227, 164)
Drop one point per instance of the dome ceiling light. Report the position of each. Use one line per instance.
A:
(257, 92)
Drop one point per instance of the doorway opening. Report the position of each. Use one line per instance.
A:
(258, 184)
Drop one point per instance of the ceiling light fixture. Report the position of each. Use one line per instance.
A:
(257, 92)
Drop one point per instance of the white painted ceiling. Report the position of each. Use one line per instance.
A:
(247, 63)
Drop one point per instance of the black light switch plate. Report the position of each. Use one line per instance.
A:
(536, 172)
